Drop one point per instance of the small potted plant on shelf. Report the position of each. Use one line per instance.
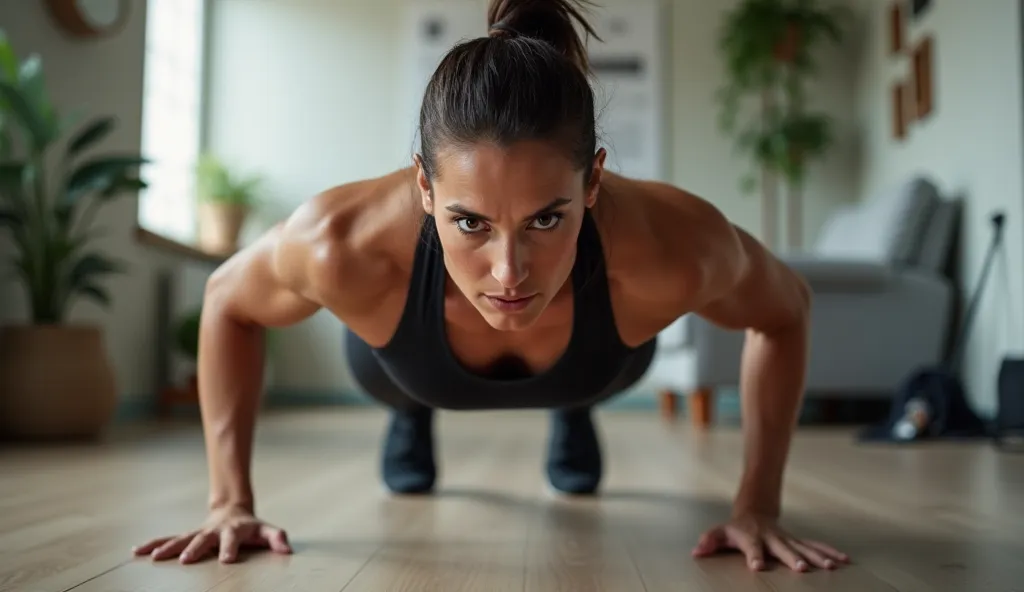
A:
(56, 380)
(226, 199)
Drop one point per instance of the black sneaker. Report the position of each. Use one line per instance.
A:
(574, 464)
(408, 459)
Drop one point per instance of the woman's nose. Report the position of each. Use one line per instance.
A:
(510, 265)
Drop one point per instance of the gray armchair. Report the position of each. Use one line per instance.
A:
(883, 305)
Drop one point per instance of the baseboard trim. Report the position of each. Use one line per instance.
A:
(289, 397)
(135, 407)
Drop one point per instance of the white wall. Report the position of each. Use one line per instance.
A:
(98, 77)
(310, 92)
(971, 146)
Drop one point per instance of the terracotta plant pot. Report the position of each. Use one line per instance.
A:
(220, 225)
(56, 382)
(788, 48)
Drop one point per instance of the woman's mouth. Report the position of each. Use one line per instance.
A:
(505, 304)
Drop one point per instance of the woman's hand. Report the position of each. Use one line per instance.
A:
(228, 529)
(753, 535)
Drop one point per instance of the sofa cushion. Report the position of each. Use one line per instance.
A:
(846, 276)
(887, 228)
(675, 336)
(939, 238)
(917, 205)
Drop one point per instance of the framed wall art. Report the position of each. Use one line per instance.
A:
(897, 27)
(923, 65)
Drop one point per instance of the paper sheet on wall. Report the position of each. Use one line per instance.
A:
(431, 29)
(630, 81)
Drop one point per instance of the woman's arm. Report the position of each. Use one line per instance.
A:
(732, 280)
(761, 295)
(297, 268)
(272, 283)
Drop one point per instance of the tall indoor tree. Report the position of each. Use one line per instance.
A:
(769, 49)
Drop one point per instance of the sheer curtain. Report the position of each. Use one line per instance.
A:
(172, 115)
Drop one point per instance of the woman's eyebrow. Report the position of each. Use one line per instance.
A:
(464, 211)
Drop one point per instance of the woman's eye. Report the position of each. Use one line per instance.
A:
(468, 224)
(546, 222)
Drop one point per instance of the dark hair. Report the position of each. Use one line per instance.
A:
(528, 79)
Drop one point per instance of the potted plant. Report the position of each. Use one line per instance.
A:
(225, 201)
(55, 376)
(769, 49)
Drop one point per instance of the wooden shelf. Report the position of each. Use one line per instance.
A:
(174, 247)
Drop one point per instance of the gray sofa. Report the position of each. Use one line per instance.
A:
(883, 305)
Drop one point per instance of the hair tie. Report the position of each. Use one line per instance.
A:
(502, 30)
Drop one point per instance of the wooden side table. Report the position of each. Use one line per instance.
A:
(699, 405)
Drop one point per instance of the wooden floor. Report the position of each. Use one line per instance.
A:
(936, 517)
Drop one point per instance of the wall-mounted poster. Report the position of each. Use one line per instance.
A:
(629, 68)
(430, 29)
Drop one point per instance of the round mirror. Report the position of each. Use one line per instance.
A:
(90, 18)
(100, 14)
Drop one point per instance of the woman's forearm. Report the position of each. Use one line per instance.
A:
(230, 379)
(772, 382)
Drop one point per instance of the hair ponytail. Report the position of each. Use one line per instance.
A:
(551, 21)
(528, 79)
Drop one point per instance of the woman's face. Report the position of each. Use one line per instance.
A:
(508, 219)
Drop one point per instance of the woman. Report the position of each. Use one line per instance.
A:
(506, 269)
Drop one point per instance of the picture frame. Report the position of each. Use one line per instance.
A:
(923, 65)
(897, 27)
(898, 109)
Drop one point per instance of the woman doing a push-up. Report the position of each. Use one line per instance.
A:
(505, 269)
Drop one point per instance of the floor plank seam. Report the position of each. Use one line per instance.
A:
(99, 575)
(632, 559)
(363, 566)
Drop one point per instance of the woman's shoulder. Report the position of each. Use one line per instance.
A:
(660, 242)
(378, 216)
(652, 223)
(360, 234)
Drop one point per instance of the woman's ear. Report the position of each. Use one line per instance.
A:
(595, 178)
(423, 184)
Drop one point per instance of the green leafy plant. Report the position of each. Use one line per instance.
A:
(186, 334)
(49, 212)
(769, 49)
(216, 183)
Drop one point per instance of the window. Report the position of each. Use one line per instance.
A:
(172, 116)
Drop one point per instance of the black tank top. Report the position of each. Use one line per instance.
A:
(419, 359)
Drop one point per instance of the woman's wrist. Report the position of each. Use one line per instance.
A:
(221, 501)
(758, 495)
